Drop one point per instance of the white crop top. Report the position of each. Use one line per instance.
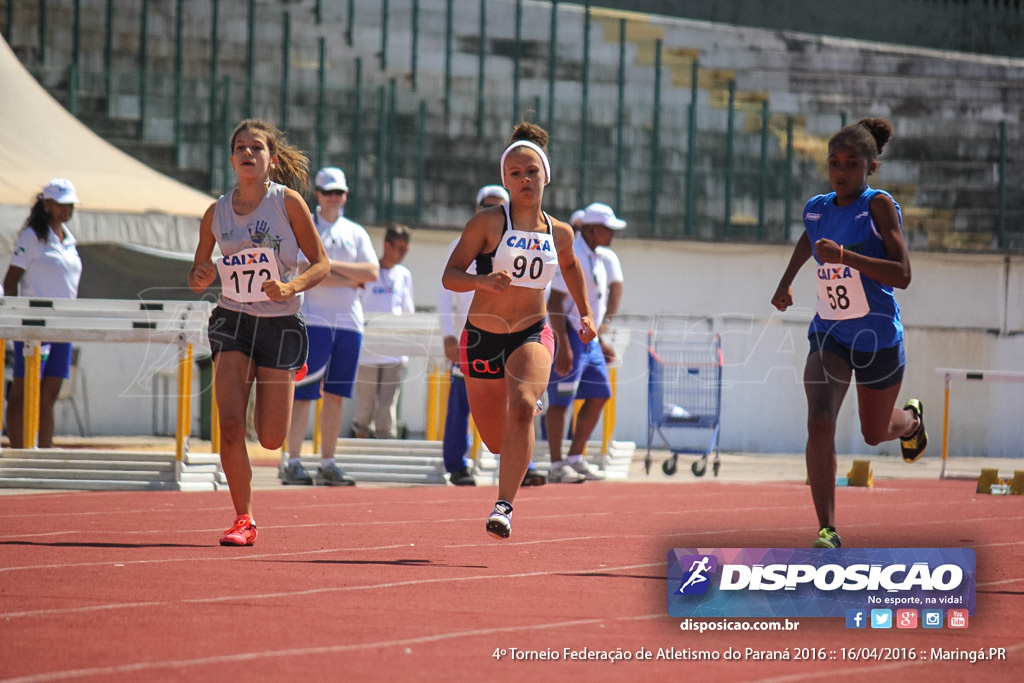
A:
(529, 257)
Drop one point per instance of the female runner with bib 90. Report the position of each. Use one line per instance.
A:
(257, 334)
(855, 235)
(507, 348)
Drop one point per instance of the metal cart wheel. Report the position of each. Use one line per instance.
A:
(669, 466)
(699, 467)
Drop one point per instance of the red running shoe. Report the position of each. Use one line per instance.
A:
(242, 533)
(301, 372)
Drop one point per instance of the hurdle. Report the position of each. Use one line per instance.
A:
(618, 337)
(37, 320)
(416, 335)
(970, 376)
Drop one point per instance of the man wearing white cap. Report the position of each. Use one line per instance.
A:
(580, 371)
(576, 219)
(334, 323)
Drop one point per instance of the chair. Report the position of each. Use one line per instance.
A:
(70, 390)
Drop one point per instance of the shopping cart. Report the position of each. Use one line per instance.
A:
(684, 397)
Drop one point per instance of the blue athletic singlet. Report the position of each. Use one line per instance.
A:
(529, 257)
(854, 309)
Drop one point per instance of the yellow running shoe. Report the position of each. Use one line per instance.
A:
(912, 447)
(827, 538)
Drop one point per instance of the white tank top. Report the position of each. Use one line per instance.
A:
(529, 257)
(246, 243)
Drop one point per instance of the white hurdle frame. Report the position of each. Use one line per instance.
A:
(969, 375)
(34, 320)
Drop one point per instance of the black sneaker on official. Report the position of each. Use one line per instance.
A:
(463, 477)
(331, 475)
(294, 474)
(534, 478)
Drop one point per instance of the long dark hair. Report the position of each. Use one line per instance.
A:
(39, 220)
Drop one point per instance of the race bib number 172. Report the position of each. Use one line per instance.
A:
(243, 273)
(840, 293)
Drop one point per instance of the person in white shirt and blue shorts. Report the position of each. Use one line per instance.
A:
(45, 264)
(334, 319)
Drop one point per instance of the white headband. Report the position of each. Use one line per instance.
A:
(536, 148)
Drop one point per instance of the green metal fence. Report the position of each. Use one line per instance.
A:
(677, 161)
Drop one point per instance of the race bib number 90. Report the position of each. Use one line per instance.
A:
(840, 293)
(243, 273)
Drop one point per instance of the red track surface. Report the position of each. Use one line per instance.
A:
(383, 584)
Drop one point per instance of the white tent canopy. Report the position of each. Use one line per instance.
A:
(123, 200)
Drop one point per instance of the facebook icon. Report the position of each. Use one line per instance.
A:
(856, 618)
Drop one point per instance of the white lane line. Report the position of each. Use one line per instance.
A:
(193, 560)
(307, 651)
(673, 534)
(332, 524)
(169, 509)
(321, 591)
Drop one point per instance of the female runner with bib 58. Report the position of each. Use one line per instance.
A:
(855, 235)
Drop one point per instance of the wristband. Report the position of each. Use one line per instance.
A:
(840, 254)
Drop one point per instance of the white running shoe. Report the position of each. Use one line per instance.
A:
(588, 472)
(499, 524)
(562, 473)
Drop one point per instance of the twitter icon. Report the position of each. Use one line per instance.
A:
(881, 618)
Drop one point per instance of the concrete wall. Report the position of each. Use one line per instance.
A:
(960, 311)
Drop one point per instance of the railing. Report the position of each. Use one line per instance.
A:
(674, 163)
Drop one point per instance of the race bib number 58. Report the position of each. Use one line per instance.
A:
(840, 293)
(243, 273)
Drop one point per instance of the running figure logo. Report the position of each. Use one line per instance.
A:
(695, 580)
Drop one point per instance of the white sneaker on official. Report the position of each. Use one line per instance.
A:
(588, 472)
(562, 473)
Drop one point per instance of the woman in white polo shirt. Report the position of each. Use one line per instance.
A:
(45, 264)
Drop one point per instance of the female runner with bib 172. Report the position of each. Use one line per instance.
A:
(507, 347)
(855, 235)
(257, 335)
